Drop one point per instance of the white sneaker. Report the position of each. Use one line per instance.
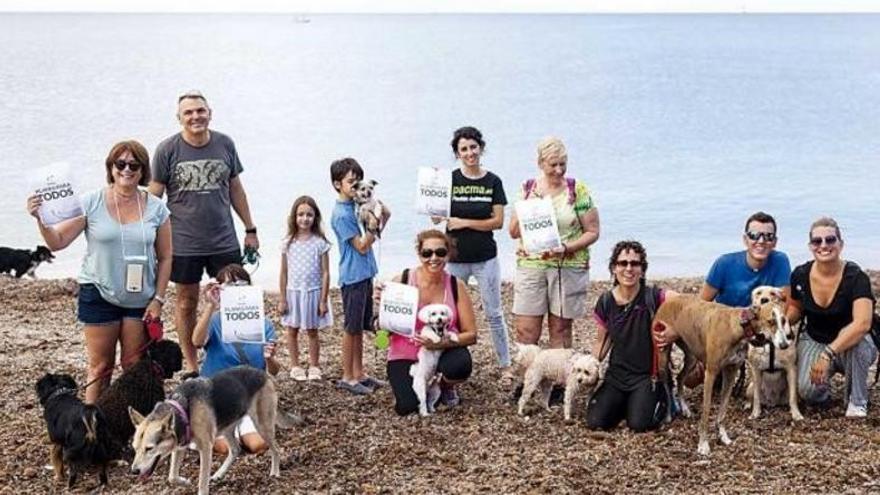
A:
(854, 411)
(298, 374)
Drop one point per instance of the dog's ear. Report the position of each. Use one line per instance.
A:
(374, 183)
(136, 417)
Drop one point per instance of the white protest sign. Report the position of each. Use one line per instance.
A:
(241, 314)
(60, 201)
(434, 191)
(537, 225)
(398, 308)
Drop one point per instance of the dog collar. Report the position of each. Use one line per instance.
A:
(60, 391)
(187, 436)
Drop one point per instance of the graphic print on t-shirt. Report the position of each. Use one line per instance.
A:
(472, 193)
(200, 175)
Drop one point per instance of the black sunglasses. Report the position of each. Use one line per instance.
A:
(829, 240)
(757, 236)
(440, 252)
(132, 165)
(631, 263)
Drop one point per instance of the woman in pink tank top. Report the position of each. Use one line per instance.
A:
(435, 287)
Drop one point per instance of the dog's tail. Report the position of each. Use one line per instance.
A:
(286, 419)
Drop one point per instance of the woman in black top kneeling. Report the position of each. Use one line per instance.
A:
(623, 315)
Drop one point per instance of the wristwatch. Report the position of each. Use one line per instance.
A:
(250, 231)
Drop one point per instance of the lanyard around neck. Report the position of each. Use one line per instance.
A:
(122, 225)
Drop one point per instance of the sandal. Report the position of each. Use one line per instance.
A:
(298, 374)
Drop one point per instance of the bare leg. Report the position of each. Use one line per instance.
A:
(293, 346)
(101, 349)
(314, 348)
(185, 320)
(560, 332)
(347, 346)
(133, 336)
(528, 328)
(357, 357)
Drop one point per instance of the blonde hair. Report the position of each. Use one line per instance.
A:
(826, 222)
(551, 146)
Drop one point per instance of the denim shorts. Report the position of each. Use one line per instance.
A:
(92, 309)
(357, 304)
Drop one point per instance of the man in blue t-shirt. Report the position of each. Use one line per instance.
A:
(733, 276)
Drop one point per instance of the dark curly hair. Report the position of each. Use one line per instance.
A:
(629, 245)
(467, 132)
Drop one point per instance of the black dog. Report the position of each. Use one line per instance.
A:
(23, 260)
(78, 431)
(141, 387)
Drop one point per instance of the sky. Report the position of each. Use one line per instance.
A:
(441, 6)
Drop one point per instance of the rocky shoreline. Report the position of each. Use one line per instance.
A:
(357, 444)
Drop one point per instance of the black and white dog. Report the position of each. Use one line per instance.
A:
(23, 261)
(426, 382)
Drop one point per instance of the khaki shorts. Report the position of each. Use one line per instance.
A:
(536, 291)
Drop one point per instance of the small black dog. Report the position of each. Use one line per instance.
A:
(141, 387)
(78, 431)
(23, 260)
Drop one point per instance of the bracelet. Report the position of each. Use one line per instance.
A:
(159, 299)
(252, 230)
(829, 353)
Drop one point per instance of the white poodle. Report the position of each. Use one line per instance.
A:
(559, 367)
(426, 381)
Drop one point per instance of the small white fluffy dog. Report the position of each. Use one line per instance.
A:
(370, 211)
(426, 381)
(559, 367)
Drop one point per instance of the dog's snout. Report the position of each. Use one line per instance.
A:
(135, 470)
(783, 345)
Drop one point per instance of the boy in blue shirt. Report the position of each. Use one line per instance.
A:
(357, 267)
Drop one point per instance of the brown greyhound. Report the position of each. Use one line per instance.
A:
(718, 336)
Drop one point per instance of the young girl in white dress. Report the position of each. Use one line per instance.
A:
(305, 284)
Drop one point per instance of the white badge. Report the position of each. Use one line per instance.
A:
(134, 275)
(397, 309)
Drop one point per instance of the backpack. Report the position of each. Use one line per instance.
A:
(404, 279)
(529, 186)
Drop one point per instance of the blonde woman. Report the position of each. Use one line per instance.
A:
(833, 300)
(555, 283)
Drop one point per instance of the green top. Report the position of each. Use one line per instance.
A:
(567, 219)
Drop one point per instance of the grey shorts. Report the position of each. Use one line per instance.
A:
(357, 305)
(537, 292)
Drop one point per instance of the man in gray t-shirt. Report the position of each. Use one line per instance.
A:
(199, 169)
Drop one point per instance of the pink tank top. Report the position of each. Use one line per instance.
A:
(405, 348)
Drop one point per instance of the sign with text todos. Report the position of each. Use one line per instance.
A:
(60, 201)
(398, 308)
(434, 191)
(537, 225)
(242, 315)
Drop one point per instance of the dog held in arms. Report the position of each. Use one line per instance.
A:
(139, 387)
(371, 212)
(23, 261)
(773, 365)
(718, 336)
(426, 380)
(200, 410)
(574, 370)
(79, 435)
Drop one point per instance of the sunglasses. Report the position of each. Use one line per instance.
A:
(829, 240)
(440, 252)
(628, 263)
(757, 236)
(122, 164)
